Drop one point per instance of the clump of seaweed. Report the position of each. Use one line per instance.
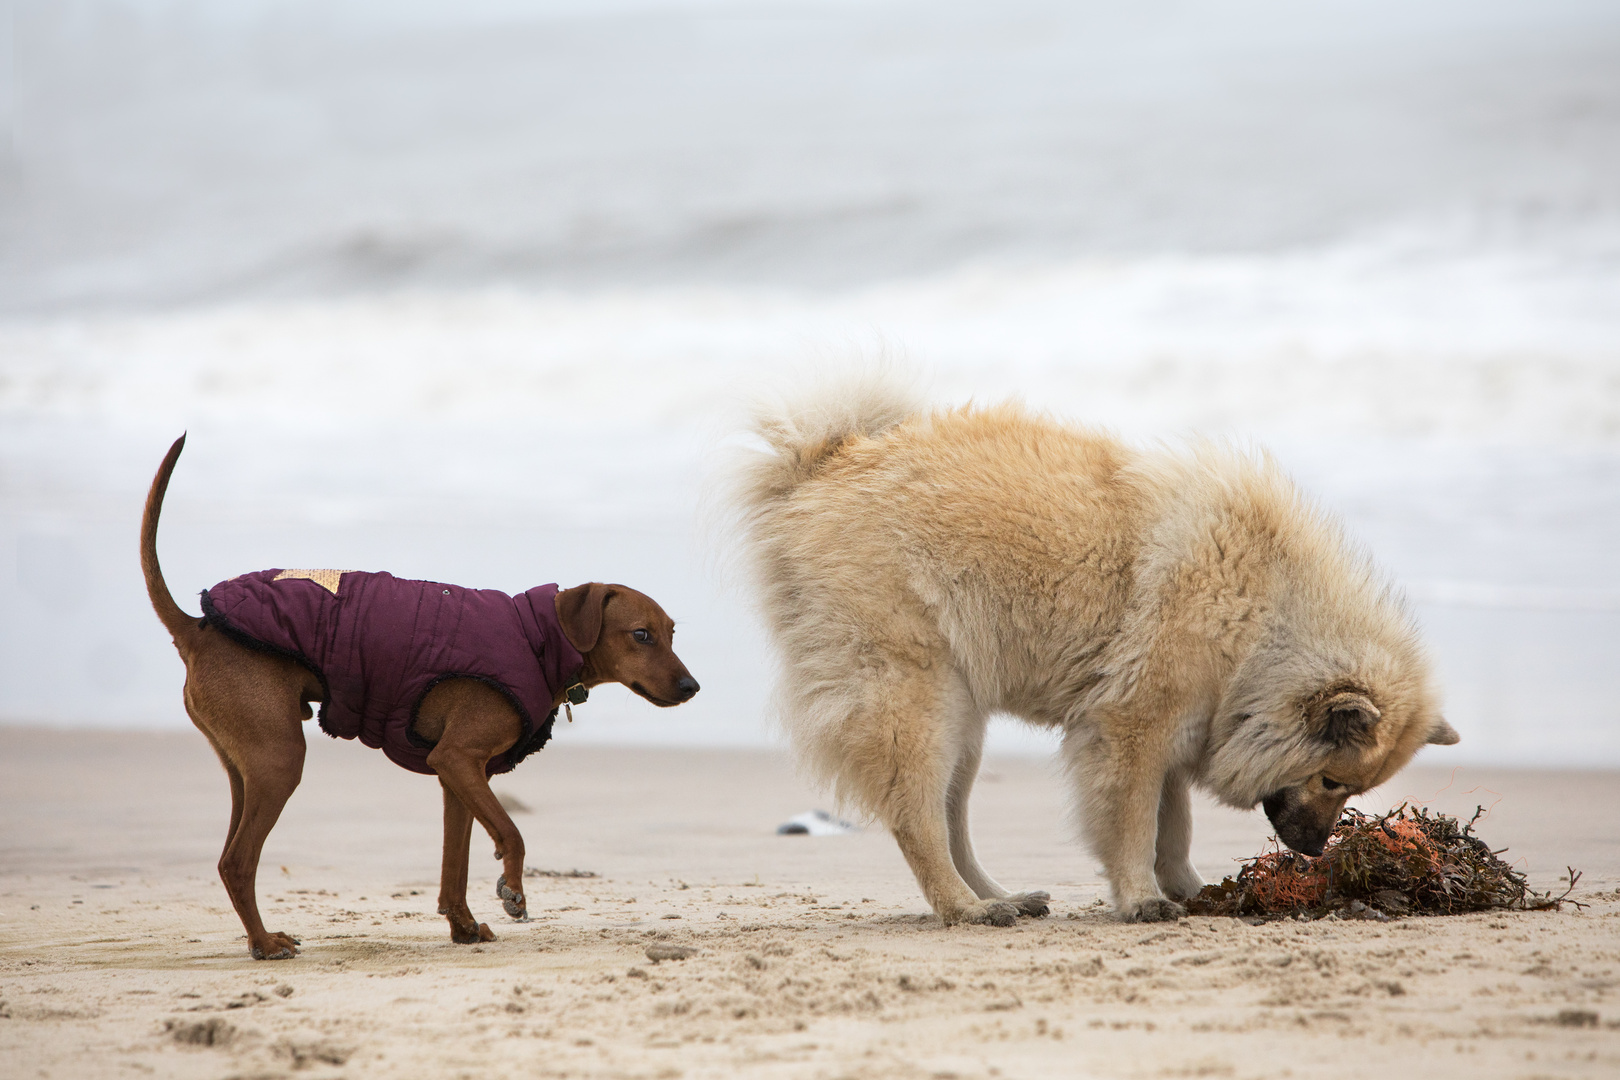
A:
(1407, 862)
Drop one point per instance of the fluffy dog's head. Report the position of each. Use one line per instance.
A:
(1302, 728)
(1345, 722)
(625, 638)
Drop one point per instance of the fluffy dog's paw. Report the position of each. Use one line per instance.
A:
(512, 901)
(991, 913)
(1153, 909)
(1182, 883)
(1034, 904)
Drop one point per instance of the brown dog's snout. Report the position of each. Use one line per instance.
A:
(680, 691)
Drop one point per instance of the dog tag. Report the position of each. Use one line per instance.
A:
(574, 695)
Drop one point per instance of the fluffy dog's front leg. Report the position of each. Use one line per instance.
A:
(1177, 876)
(1120, 790)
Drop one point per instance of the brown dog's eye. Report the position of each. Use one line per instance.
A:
(641, 636)
(1331, 785)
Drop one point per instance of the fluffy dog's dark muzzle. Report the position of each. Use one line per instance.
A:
(1296, 825)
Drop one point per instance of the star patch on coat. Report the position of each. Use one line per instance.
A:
(326, 579)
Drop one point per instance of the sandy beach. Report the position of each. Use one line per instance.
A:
(815, 956)
(483, 291)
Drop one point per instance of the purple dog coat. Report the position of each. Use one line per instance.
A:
(378, 643)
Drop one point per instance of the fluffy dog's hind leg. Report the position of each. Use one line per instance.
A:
(969, 755)
(900, 759)
(1172, 865)
(956, 816)
(922, 841)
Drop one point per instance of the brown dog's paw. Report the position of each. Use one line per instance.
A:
(477, 934)
(276, 947)
(512, 901)
(282, 954)
(1034, 904)
(1153, 909)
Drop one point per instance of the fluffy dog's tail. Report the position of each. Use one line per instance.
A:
(794, 439)
(182, 627)
(802, 432)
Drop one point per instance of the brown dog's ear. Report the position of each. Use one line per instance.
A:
(1443, 734)
(579, 610)
(1345, 718)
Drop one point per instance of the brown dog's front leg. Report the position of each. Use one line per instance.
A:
(458, 821)
(471, 723)
(464, 778)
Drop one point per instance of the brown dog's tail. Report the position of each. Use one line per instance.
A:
(182, 627)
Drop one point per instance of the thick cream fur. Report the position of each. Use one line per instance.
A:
(1174, 614)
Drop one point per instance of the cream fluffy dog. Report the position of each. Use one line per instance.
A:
(1182, 619)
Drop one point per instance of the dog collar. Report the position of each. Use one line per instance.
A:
(574, 695)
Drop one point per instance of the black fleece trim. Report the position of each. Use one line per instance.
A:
(535, 742)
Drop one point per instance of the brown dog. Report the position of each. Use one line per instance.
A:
(250, 699)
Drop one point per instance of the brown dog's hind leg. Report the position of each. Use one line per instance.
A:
(232, 774)
(264, 792)
(266, 778)
(458, 823)
(248, 705)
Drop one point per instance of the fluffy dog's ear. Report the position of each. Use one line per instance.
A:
(1345, 719)
(579, 610)
(1443, 734)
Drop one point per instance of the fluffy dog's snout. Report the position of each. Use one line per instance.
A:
(1297, 826)
(687, 686)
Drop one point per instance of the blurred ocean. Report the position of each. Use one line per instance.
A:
(474, 291)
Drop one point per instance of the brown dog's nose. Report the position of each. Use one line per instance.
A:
(688, 686)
